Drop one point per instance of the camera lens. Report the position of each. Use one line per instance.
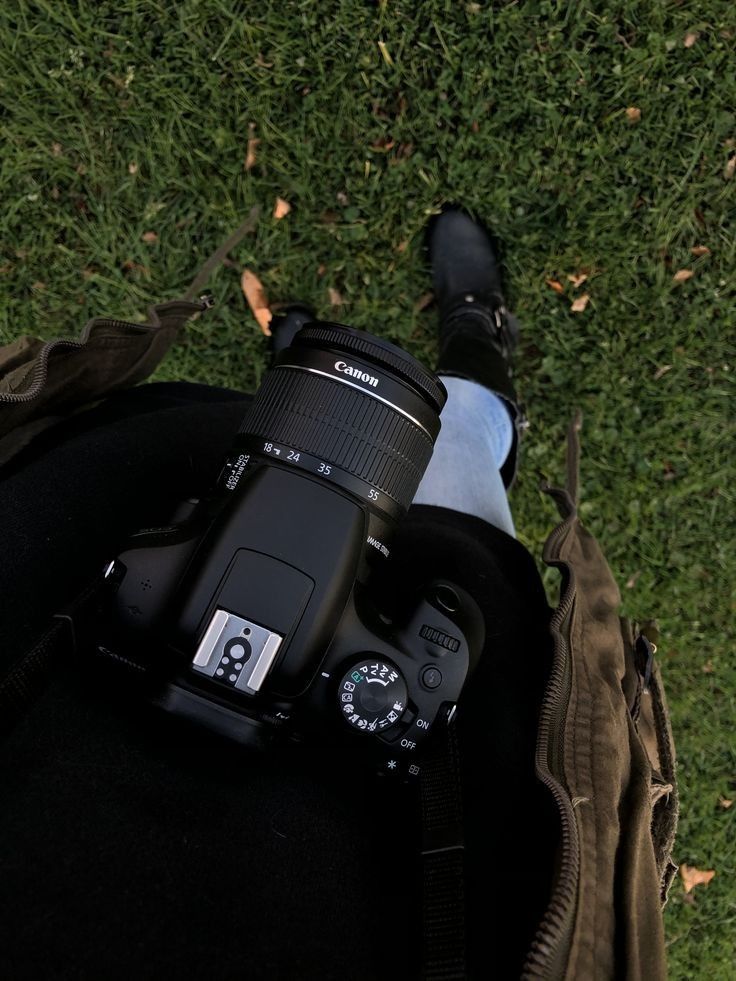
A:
(351, 408)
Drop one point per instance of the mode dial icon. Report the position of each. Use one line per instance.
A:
(372, 695)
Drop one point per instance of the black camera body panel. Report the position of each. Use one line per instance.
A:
(167, 587)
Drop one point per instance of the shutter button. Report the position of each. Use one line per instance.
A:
(431, 677)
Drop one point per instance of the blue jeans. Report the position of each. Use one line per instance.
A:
(475, 439)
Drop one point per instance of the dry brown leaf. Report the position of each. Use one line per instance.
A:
(136, 267)
(383, 144)
(730, 169)
(708, 667)
(321, 269)
(281, 209)
(690, 38)
(39, 285)
(336, 299)
(257, 300)
(682, 275)
(725, 803)
(662, 371)
(577, 280)
(149, 237)
(424, 301)
(633, 114)
(632, 580)
(698, 250)
(580, 303)
(692, 877)
(57, 149)
(132, 167)
(402, 246)
(555, 285)
(250, 156)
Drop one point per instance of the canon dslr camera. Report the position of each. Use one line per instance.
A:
(254, 612)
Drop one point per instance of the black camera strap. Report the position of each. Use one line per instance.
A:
(20, 687)
(443, 853)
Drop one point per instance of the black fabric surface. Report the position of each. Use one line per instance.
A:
(136, 847)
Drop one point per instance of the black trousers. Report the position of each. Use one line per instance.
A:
(136, 847)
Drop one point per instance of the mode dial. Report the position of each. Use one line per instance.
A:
(372, 695)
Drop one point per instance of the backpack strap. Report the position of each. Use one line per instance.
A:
(443, 854)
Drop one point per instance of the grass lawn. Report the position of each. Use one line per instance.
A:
(124, 118)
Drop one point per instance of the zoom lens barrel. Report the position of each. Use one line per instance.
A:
(352, 409)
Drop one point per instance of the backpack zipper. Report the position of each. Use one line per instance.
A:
(548, 954)
(40, 369)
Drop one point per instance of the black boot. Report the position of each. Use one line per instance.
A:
(478, 335)
(285, 324)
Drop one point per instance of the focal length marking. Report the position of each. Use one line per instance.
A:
(301, 460)
(359, 388)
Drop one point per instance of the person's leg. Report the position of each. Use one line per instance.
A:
(475, 456)
(464, 473)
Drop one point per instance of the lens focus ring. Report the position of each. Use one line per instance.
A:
(344, 426)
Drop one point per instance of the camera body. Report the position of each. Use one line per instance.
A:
(257, 612)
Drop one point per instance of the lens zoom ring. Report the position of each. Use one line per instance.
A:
(341, 426)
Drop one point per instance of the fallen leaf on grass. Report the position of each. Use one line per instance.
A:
(580, 303)
(577, 280)
(698, 250)
(424, 301)
(402, 246)
(633, 114)
(556, 285)
(384, 54)
(692, 877)
(336, 299)
(57, 149)
(253, 142)
(149, 237)
(708, 667)
(690, 38)
(250, 156)
(662, 371)
(39, 286)
(724, 802)
(281, 209)
(682, 275)
(730, 169)
(632, 580)
(257, 300)
(136, 267)
(132, 167)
